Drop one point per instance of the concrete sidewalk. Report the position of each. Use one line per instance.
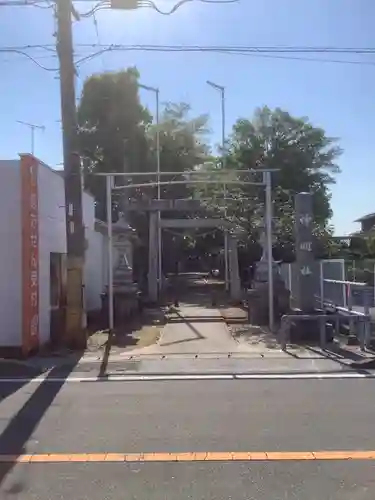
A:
(196, 339)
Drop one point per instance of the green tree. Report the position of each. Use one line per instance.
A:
(306, 161)
(112, 129)
(117, 134)
(183, 146)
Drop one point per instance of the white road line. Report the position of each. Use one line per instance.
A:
(306, 376)
(166, 377)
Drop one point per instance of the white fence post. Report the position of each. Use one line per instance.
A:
(321, 283)
(343, 278)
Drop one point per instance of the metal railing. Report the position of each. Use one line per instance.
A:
(343, 303)
(333, 269)
(361, 330)
(347, 288)
(288, 319)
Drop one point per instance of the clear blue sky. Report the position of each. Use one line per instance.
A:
(339, 98)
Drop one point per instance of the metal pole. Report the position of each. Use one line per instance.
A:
(225, 187)
(367, 323)
(159, 190)
(159, 258)
(110, 252)
(189, 172)
(290, 277)
(158, 141)
(171, 183)
(321, 283)
(221, 89)
(32, 139)
(343, 277)
(322, 333)
(268, 211)
(32, 127)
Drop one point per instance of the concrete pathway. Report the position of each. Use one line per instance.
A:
(193, 329)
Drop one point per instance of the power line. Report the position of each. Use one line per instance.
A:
(152, 5)
(254, 48)
(262, 53)
(20, 52)
(105, 4)
(25, 3)
(258, 49)
(239, 51)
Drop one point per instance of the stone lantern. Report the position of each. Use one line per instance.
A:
(261, 270)
(258, 297)
(124, 288)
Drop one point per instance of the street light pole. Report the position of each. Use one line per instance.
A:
(32, 127)
(156, 92)
(221, 89)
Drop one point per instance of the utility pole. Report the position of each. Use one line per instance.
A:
(32, 127)
(75, 335)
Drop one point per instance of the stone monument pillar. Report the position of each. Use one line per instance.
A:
(124, 289)
(313, 329)
(305, 299)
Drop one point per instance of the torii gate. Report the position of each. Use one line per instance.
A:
(157, 223)
(220, 176)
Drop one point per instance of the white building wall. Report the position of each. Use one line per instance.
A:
(10, 254)
(94, 270)
(52, 238)
(93, 257)
(52, 234)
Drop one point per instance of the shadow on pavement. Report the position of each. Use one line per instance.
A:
(187, 321)
(196, 319)
(338, 353)
(14, 438)
(107, 352)
(10, 369)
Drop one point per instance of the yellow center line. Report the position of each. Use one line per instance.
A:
(254, 456)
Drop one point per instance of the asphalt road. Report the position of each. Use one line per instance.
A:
(214, 481)
(190, 416)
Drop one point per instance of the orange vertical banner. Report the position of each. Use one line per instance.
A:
(30, 253)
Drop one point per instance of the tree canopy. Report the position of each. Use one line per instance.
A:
(112, 129)
(117, 133)
(303, 157)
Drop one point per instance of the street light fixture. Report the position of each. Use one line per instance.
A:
(155, 90)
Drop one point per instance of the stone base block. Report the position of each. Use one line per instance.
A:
(308, 331)
(258, 302)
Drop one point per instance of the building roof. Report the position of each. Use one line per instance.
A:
(366, 217)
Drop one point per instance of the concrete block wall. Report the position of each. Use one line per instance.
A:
(52, 239)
